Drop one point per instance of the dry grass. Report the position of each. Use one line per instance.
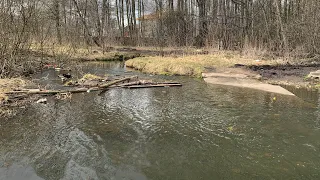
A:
(91, 77)
(7, 85)
(80, 52)
(193, 65)
(71, 52)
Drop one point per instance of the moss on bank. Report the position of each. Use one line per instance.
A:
(192, 65)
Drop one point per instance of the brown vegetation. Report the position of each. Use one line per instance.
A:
(7, 85)
(35, 32)
(77, 27)
(194, 65)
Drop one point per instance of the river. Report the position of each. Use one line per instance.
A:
(197, 131)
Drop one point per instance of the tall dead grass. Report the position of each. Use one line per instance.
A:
(193, 65)
(7, 85)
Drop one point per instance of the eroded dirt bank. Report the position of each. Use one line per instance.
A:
(289, 74)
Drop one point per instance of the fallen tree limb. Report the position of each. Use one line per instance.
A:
(144, 83)
(129, 84)
(79, 90)
(117, 82)
(52, 92)
(166, 83)
(152, 85)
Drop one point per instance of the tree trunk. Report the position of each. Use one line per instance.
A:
(281, 27)
(57, 20)
(203, 24)
(84, 23)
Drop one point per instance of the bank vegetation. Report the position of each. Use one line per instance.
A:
(34, 32)
(195, 65)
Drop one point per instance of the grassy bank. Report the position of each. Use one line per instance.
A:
(71, 52)
(193, 65)
(7, 85)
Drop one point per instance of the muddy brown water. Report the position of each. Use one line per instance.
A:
(198, 131)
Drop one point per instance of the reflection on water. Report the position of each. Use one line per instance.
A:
(197, 131)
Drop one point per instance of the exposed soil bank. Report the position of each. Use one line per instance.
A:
(288, 74)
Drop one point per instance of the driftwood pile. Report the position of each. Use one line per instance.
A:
(126, 82)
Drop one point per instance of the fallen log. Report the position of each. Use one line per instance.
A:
(152, 85)
(144, 83)
(26, 90)
(129, 84)
(79, 90)
(117, 82)
(166, 83)
(50, 92)
(18, 97)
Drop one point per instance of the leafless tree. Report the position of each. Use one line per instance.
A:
(282, 26)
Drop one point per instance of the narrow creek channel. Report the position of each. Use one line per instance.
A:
(197, 131)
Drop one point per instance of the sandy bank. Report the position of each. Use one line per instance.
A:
(240, 80)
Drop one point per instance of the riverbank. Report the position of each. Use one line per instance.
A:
(186, 62)
(111, 53)
(193, 62)
(273, 71)
(38, 57)
(7, 85)
(195, 65)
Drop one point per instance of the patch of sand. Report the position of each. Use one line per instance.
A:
(241, 80)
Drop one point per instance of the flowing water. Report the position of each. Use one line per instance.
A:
(197, 131)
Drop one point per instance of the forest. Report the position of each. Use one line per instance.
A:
(159, 89)
(283, 27)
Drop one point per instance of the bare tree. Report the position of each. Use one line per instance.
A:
(281, 26)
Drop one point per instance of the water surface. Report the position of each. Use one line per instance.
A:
(197, 131)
